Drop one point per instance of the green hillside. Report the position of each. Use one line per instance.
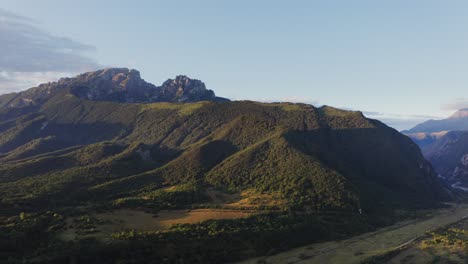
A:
(69, 164)
(323, 158)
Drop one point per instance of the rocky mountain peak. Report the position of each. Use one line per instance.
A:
(183, 83)
(113, 84)
(456, 122)
(118, 77)
(121, 85)
(110, 73)
(183, 89)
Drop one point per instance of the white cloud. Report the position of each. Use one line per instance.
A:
(398, 121)
(457, 104)
(400, 124)
(30, 55)
(399, 116)
(291, 99)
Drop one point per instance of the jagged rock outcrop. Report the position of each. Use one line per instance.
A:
(184, 89)
(117, 85)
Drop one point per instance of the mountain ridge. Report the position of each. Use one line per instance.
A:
(304, 173)
(445, 144)
(319, 157)
(457, 121)
(118, 85)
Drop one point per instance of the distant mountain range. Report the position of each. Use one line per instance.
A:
(457, 121)
(445, 144)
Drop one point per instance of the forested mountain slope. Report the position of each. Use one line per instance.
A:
(62, 148)
(106, 168)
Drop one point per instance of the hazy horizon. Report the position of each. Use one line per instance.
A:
(398, 62)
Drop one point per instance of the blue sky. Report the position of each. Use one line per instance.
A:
(399, 61)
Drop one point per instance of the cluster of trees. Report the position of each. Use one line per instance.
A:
(178, 196)
(218, 241)
(28, 235)
(34, 237)
(321, 159)
(455, 237)
(310, 155)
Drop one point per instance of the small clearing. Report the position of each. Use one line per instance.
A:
(101, 225)
(140, 220)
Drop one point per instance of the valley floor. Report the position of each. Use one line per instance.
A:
(384, 245)
(128, 219)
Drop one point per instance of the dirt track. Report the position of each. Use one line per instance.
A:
(356, 249)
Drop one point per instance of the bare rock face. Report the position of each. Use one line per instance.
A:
(184, 89)
(115, 84)
(461, 171)
(119, 85)
(124, 85)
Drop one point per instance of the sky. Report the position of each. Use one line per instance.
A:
(399, 61)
